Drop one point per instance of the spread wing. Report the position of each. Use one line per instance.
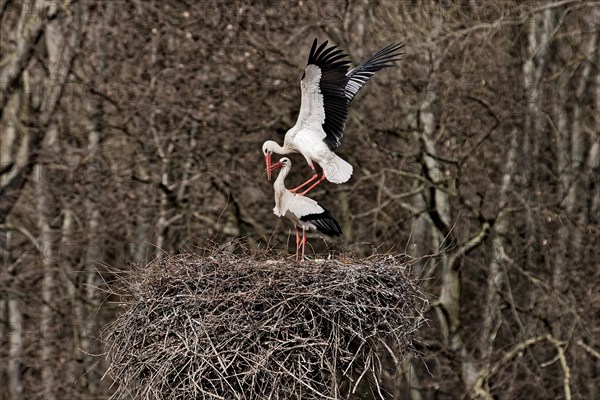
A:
(384, 58)
(323, 85)
(328, 87)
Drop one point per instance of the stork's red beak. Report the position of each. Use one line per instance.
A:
(275, 166)
(268, 165)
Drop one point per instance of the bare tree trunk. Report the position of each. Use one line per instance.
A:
(92, 258)
(60, 57)
(164, 153)
(165, 162)
(436, 202)
(439, 212)
(579, 146)
(54, 44)
(412, 382)
(591, 216)
(47, 342)
(533, 70)
(564, 171)
(14, 179)
(189, 162)
(10, 156)
(9, 136)
(495, 280)
(59, 70)
(15, 331)
(572, 168)
(346, 215)
(73, 371)
(594, 156)
(31, 27)
(15, 348)
(144, 216)
(93, 255)
(449, 310)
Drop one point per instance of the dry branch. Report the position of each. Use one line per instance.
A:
(246, 327)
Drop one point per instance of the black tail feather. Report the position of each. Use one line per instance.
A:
(324, 222)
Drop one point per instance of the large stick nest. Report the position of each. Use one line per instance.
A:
(246, 327)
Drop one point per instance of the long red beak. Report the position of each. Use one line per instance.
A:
(275, 166)
(268, 165)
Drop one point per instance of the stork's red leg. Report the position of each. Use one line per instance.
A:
(315, 176)
(297, 243)
(303, 241)
(314, 184)
(294, 190)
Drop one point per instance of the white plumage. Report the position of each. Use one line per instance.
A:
(327, 91)
(302, 211)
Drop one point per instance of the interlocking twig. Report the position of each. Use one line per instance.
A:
(237, 327)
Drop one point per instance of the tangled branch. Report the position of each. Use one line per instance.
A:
(238, 327)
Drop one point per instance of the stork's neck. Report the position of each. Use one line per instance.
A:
(279, 184)
(285, 149)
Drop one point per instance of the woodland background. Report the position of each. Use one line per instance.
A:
(132, 129)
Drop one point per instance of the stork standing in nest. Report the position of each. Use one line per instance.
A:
(304, 212)
(327, 91)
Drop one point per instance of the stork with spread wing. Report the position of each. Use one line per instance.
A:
(327, 91)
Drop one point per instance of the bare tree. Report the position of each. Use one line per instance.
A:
(477, 155)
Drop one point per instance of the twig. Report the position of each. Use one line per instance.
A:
(237, 326)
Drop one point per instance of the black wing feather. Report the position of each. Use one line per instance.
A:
(334, 68)
(358, 76)
(324, 222)
(339, 86)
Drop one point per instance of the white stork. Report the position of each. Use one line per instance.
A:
(304, 212)
(327, 91)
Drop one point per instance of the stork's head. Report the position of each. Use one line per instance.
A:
(284, 163)
(267, 149)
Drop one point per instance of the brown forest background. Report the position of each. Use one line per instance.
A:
(132, 129)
